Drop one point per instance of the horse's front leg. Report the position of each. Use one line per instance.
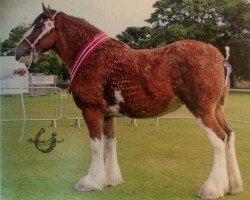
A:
(113, 172)
(96, 177)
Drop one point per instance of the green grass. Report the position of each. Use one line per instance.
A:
(170, 161)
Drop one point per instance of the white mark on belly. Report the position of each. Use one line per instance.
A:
(115, 109)
(118, 96)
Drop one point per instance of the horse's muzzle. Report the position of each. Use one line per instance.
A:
(21, 53)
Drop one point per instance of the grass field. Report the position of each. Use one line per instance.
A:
(170, 161)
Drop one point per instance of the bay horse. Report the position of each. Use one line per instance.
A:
(108, 79)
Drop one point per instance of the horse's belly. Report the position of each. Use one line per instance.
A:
(174, 104)
(141, 96)
(140, 104)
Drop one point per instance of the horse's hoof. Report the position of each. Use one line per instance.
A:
(114, 176)
(89, 183)
(115, 181)
(213, 190)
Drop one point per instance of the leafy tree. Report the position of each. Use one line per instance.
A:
(135, 36)
(236, 18)
(8, 45)
(0, 46)
(240, 51)
(219, 22)
(50, 63)
(213, 21)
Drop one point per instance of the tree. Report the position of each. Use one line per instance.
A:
(135, 36)
(240, 60)
(236, 18)
(8, 45)
(219, 22)
(50, 63)
(0, 46)
(210, 21)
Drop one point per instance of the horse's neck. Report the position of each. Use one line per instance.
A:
(72, 34)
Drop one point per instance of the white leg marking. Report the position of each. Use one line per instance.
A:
(96, 178)
(235, 180)
(217, 183)
(113, 172)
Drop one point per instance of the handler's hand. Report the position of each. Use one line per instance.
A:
(20, 71)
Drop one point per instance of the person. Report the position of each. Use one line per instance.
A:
(20, 71)
(10, 73)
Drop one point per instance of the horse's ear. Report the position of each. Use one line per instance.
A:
(47, 11)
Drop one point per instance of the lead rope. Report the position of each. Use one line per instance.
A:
(31, 58)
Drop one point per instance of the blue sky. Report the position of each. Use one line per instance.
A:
(112, 16)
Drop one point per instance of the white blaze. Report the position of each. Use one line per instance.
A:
(28, 32)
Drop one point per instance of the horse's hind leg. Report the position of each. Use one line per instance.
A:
(235, 181)
(217, 183)
(113, 172)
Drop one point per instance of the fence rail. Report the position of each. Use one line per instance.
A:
(51, 103)
(71, 111)
(31, 103)
(237, 108)
(46, 104)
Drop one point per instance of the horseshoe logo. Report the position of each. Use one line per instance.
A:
(45, 145)
(52, 141)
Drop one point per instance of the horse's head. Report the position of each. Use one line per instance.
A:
(39, 38)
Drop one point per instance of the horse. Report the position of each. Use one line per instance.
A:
(108, 79)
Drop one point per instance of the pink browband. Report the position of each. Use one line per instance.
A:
(87, 50)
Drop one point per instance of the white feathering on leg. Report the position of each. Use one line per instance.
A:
(96, 178)
(113, 172)
(234, 175)
(217, 184)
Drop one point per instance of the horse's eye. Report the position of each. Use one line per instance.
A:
(37, 27)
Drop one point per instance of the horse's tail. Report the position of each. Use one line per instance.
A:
(228, 70)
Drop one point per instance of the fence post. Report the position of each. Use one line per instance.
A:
(24, 118)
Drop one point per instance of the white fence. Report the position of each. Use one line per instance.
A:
(237, 108)
(20, 104)
(71, 111)
(17, 107)
(52, 104)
